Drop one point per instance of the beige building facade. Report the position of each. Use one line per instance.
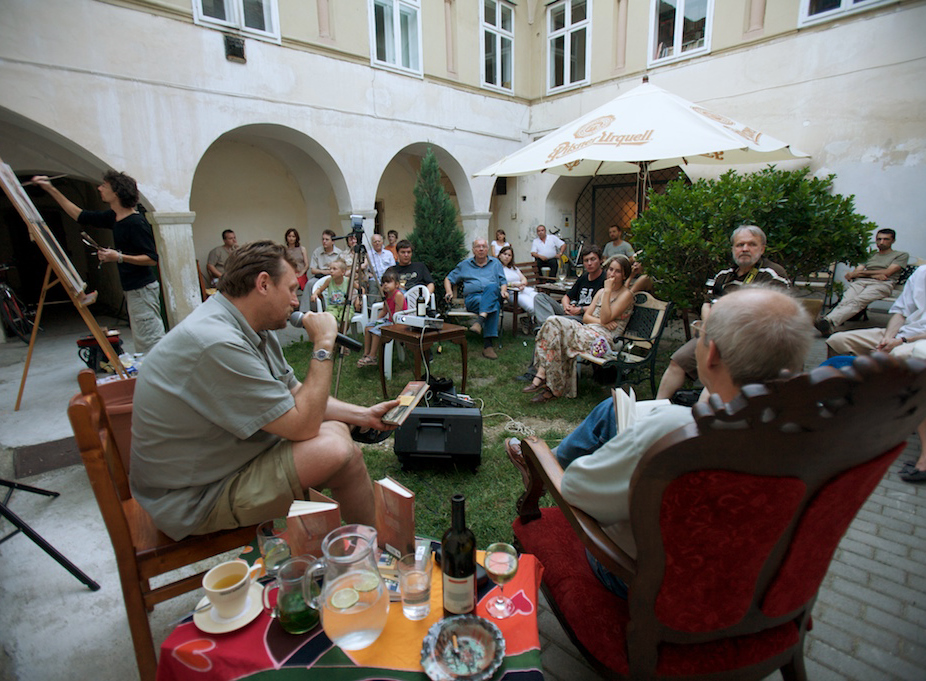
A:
(261, 115)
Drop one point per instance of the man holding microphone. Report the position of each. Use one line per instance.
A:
(223, 434)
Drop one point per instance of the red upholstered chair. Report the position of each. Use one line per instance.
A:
(736, 518)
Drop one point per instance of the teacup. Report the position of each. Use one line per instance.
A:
(227, 585)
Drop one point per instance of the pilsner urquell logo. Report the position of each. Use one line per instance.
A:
(598, 128)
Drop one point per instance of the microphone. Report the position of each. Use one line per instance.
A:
(344, 341)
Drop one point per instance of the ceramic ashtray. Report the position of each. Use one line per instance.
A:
(462, 648)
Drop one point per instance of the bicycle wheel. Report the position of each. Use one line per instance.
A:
(14, 319)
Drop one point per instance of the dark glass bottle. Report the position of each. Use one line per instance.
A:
(458, 562)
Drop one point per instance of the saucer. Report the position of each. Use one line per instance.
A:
(209, 622)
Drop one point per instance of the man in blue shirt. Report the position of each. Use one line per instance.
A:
(484, 287)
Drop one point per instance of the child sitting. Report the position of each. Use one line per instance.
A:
(334, 289)
(393, 301)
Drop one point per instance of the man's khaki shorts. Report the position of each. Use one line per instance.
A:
(686, 358)
(262, 490)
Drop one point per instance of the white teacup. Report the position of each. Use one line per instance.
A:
(227, 586)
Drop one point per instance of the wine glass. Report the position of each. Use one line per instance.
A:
(501, 564)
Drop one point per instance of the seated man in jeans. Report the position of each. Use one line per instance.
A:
(750, 336)
(484, 287)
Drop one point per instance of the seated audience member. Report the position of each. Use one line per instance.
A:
(752, 267)
(393, 301)
(499, 242)
(334, 291)
(393, 244)
(546, 250)
(750, 336)
(298, 255)
(411, 273)
(379, 261)
(484, 287)
(617, 245)
(215, 261)
(905, 336)
(223, 434)
(868, 282)
(516, 280)
(322, 257)
(561, 339)
(576, 301)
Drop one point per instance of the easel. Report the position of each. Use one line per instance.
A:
(63, 268)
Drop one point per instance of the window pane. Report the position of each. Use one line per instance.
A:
(694, 24)
(817, 6)
(577, 56)
(579, 11)
(490, 58)
(489, 9)
(557, 50)
(506, 63)
(507, 18)
(215, 9)
(254, 16)
(408, 20)
(384, 37)
(558, 17)
(665, 28)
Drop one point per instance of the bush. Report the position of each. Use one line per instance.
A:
(685, 233)
(437, 240)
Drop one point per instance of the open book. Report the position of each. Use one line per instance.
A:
(395, 517)
(310, 521)
(627, 410)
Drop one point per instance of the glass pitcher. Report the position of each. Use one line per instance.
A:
(354, 601)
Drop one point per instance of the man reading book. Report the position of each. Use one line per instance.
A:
(223, 434)
(750, 336)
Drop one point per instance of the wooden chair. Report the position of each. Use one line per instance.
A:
(634, 358)
(203, 285)
(142, 551)
(736, 518)
(529, 270)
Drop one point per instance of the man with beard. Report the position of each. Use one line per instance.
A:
(752, 267)
(223, 434)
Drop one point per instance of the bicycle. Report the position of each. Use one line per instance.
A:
(16, 316)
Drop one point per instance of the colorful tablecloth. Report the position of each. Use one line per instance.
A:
(262, 649)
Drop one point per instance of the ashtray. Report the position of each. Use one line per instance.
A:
(480, 649)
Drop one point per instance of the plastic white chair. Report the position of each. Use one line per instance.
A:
(319, 303)
(411, 301)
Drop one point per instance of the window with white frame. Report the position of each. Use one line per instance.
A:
(258, 18)
(568, 29)
(680, 29)
(813, 11)
(396, 39)
(497, 44)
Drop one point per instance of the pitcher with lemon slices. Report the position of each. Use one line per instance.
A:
(354, 602)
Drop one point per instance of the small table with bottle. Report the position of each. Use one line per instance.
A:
(504, 622)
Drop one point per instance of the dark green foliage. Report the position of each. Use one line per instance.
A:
(437, 240)
(685, 233)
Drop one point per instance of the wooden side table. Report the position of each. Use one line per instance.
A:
(412, 339)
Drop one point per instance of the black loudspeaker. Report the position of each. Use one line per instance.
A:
(440, 435)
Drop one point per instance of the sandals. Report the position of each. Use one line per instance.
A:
(534, 387)
(366, 361)
(545, 396)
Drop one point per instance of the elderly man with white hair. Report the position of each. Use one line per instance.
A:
(484, 287)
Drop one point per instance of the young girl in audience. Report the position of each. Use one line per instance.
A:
(394, 301)
(334, 289)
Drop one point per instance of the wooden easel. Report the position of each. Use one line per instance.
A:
(63, 268)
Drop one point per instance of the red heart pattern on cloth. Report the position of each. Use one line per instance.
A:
(193, 654)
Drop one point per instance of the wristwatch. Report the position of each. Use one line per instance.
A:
(322, 355)
(119, 257)
(903, 339)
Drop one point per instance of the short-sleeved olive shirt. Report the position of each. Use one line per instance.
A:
(202, 396)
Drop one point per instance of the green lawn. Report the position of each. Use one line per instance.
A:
(492, 491)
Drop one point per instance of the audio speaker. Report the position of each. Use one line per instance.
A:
(440, 435)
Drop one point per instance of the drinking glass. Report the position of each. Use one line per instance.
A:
(501, 565)
(415, 583)
(271, 540)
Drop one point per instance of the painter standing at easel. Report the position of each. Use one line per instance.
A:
(134, 251)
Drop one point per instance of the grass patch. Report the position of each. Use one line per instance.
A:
(492, 491)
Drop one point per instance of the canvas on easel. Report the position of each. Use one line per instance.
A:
(60, 264)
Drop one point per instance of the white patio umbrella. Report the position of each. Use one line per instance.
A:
(644, 129)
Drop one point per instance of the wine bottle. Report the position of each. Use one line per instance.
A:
(458, 562)
(422, 307)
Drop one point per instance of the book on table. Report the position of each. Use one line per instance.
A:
(408, 399)
(310, 521)
(395, 517)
